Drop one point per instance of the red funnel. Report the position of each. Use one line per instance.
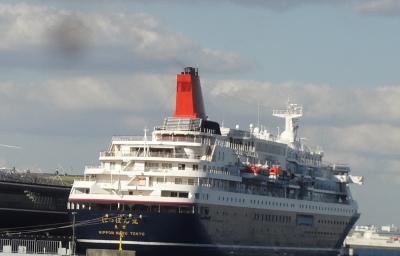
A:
(189, 99)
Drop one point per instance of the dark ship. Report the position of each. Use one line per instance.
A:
(33, 205)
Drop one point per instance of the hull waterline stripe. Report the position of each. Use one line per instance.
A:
(276, 248)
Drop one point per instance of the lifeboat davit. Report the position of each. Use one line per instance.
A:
(275, 171)
(254, 170)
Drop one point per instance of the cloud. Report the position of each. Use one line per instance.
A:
(378, 7)
(283, 5)
(366, 7)
(377, 139)
(53, 37)
(321, 101)
(86, 105)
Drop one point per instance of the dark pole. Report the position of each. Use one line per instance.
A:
(73, 234)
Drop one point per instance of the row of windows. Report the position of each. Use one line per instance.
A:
(231, 199)
(204, 196)
(242, 200)
(165, 193)
(195, 167)
(133, 208)
(181, 166)
(335, 209)
(333, 222)
(281, 204)
(235, 187)
(323, 233)
(272, 218)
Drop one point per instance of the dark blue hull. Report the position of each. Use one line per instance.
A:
(171, 234)
(157, 250)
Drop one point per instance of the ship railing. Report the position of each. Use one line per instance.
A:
(128, 138)
(180, 139)
(32, 178)
(30, 246)
(240, 149)
(149, 154)
(222, 172)
(171, 138)
(211, 171)
(93, 167)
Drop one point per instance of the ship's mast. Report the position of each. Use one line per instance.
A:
(291, 114)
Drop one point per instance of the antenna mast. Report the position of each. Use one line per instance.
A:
(291, 114)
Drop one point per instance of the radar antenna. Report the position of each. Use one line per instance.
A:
(291, 115)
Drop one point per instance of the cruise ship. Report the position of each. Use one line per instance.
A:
(193, 187)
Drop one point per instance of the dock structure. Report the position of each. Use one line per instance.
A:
(105, 252)
(34, 247)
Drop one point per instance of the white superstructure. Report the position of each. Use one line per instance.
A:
(185, 163)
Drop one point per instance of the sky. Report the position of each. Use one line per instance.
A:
(74, 73)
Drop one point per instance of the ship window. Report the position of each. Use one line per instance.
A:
(166, 165)
(197, 195)
(305, 220)
(195, 167)
(178, 180)
(183, 194)
(181, 166)
(165, 193)
(151, 165)
(160, 180)
(190, 181)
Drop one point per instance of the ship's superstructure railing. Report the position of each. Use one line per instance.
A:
(175, 138)
(180, 124)
(240, 149)
(148, 154)
(127, 138)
